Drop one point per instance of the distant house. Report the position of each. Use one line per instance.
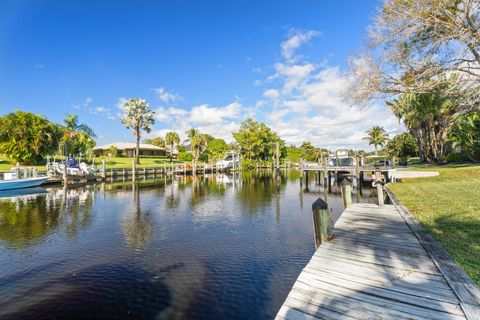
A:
(127, 149)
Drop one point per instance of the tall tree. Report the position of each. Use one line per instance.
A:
(415, 43)
(376, 136)
(27, 138)
(137, 116)
(172, 138)
(197, 142)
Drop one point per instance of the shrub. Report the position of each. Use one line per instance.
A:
(185, 156)
(454, 157)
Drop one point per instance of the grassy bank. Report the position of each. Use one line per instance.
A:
(448, 207)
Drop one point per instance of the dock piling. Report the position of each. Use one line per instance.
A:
(321, 221)
(379, 185)
(346, 192)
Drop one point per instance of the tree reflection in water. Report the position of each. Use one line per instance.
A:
(27, 220)
(137, 226)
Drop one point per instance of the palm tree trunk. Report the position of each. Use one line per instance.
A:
(137, 147)
(171, 152)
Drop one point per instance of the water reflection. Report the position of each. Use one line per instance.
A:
(27, 219)
(137, 226)
(207, 247)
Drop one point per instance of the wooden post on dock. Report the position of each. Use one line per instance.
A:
(346, 192)
(379, 184)
(34, 172)
(321, 222)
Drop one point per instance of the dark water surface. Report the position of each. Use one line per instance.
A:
(214, 247)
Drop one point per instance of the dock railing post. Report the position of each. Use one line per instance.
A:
(346, 192)
(321, 222)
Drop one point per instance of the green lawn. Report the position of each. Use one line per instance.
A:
(114, 163)
(448, 207)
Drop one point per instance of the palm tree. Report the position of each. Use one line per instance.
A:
(72, 125)
(377, 136)
(137, 116)
(78, 136)
(171, 139)
(197, 141)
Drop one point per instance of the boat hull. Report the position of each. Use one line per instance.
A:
(21, 183)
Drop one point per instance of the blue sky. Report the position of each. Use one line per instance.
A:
(202, 64)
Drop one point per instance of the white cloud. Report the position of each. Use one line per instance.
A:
(166, 96)
(206, 115)
(39, 66)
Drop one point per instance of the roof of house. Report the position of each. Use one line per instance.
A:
(128, 145)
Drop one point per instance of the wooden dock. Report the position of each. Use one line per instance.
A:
(376, 268)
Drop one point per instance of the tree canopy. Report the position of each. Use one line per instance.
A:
(402, 146)
(257, 141)
(27, 138)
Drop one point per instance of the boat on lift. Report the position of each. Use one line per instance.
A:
(230, 162)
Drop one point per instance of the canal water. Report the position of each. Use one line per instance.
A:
(207, 247)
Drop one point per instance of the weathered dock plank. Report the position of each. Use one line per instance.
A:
(375, 268)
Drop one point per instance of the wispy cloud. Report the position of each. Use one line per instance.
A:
(165, 95)
(39, 66)
(296, 39)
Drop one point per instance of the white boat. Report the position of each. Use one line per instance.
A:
(9, 184)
